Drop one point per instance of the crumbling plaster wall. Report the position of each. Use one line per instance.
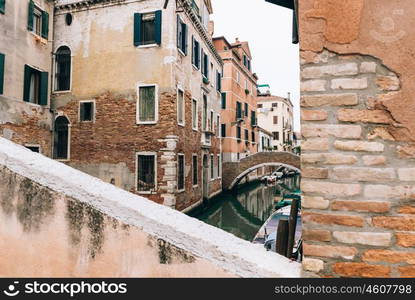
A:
(56, 221)
(358, 129)
(22, 122)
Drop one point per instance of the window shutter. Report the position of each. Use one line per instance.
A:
(30, 16)
(43, 99)
(223, 100)
(45, 24)
(184, 33)
(26, 84)
(2, 59)
(202, 67)
(137, 29)
(158, 27)
(179, 29)
(2, 6)
(193, 51)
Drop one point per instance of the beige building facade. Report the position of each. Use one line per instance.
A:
(275, 114)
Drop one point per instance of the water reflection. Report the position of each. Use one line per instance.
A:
(243, 213)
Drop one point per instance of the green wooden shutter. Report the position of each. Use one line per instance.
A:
(26, 83)
(45, 24)
(184, 33)
(193, 51)
(137, 29)
(43, 97)
(223, 100)
(179, 31)
(2, 6)
(30, 16)
(2, 59)
(202, 66)
(158, 27)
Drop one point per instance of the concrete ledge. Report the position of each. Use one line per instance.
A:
(236, 256)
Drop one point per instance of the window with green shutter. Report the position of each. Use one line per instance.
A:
(147, 104)
(45, 25)
(238, 110)
(195, 53)
(253, 118)
(223, 100)
(2, 64)
(147, 28)
(2, 6)
(181, 36)
(218, 81)
(30, 15)
(35, 86)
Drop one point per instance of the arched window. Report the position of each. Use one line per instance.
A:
(61, 138)
(63, 69)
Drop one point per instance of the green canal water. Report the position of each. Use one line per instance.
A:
(244, 211)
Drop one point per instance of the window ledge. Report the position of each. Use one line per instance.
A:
(195, 129)
(146, 193)
(63, 160)
(181, 52)
(195, 68)
(181, 124)
(148, 46)
(195, 186)
(181, 191)
(62, 92)
(146, 123)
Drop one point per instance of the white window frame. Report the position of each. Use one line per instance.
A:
(197, 165)
(33, 146)
(197, 115)
(178, 48)
(156, 103)
(137, 154)
(212, 161)
(219, 167)
(184, 173)
(54, 67)
(179, 88)
(69, 138)
(94, 111)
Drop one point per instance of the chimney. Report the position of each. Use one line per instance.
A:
(211, 28)
(289, 96)
(237, 41)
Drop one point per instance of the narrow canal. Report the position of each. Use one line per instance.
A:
(244, 211)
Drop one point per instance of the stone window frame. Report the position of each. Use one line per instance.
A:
(181, 89)
(156, 104)
(197, 169)
(197, 115)
(212, 167)
(69, 139)
(94, 111)
(184, 172)
(219, 166)
(155, 173)
(54, 62)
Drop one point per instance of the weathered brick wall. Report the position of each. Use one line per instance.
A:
(357, 161)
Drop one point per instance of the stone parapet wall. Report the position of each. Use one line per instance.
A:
(357, 153)
(59, 222)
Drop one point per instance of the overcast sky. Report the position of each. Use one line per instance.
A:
(268, 29)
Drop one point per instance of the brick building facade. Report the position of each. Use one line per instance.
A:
(135, 98)
(239, 89)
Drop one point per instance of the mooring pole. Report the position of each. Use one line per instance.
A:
(292, 226)
(282, 237)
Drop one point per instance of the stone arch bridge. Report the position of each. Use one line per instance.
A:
(233, 172)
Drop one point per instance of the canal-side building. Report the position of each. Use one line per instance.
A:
(275, 114)
(127, 91)
(136, 96)
(264, 140)
(239, 89)
(26, 35)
